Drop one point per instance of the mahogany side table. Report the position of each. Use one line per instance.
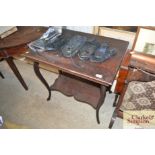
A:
(86, 81)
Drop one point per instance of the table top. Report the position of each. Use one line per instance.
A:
(23, 35)
(86, 69)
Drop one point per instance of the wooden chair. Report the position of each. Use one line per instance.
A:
(140, 83)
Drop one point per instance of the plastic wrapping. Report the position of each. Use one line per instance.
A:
(72, 47)
(103, 53)
(45, 42)
(86, 48)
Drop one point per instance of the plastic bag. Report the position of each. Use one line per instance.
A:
(45, 42)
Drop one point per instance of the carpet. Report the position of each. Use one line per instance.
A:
(30, 109)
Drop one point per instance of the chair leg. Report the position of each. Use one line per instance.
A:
(115, 101)
(12, 65)
(113, 119)
(1, 75)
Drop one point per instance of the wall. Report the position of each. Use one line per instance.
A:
(118, 34)
(145, 36)
(86, 29)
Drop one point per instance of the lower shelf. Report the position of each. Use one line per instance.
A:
(81, 89)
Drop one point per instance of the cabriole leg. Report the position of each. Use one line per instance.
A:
(41, 78)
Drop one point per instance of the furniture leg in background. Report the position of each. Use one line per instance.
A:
(12, 65)
(1, 75)
(16, 44)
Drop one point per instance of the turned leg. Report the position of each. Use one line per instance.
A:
(113, 119)
(12, 65)
(115, 101)
(1, 75)
(41, 78)
(101, 101)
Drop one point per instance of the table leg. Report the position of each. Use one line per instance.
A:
(101, 101)
(12, 65)
(1, 75)
(41, 78)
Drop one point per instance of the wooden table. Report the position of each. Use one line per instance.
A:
(79, 78)
(16, 44)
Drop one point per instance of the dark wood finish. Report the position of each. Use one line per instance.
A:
(12, 65)
(121, 80)
(86, 69)
(16, 44)
(101, 101)
(13, 51)
(122, 73)
(9, 60)
(24, 35)
(41, 78)
(143, 73)
(78, 78)
(82, 90)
